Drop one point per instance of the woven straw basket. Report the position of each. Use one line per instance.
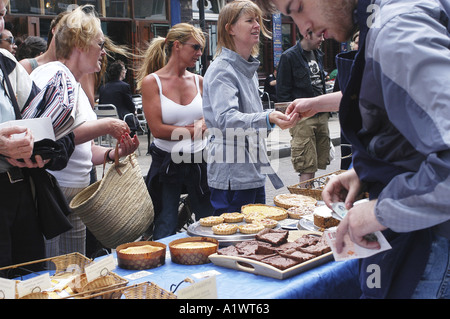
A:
(118, 208)
(313, 187)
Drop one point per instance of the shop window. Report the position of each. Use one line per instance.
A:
(54, 7)
(212, 8)
(117, 8)
(20, 6)
(150, 9)
(95, 3)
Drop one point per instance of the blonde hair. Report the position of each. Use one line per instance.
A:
(229, 15)
(160, 49)
(76, 29)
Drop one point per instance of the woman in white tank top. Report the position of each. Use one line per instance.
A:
(172, 104)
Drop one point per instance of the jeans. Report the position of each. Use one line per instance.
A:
(435, 280)
(166, 220)
(228, 201)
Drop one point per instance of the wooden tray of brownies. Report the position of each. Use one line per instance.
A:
(276, 253)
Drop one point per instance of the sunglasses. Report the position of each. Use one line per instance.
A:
(101, 45)
(9, 39)
(195, 46)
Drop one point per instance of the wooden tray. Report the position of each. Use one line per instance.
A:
(263, 269)
(259, 268)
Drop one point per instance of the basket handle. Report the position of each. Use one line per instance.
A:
(116, 163)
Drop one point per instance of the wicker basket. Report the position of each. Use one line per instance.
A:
(313, 187)
(70, 263)
(103, 287)
(147, 290)
(67, 265)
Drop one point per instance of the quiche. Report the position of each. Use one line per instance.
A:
(267, 211)
(232, 217)
(224, 229)
(211, 220)
(250, 228)
(294, 200)
(266, 222)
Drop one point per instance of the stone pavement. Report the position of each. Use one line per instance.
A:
(278, 142)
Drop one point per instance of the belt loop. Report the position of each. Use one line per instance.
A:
(15, 175)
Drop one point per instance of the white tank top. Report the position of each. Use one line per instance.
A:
(180, 115)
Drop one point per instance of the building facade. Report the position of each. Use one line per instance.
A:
(135, 22)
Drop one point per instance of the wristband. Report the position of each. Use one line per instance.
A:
(107, 158)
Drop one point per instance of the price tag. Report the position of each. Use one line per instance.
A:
(205, 289)
(7, 288)
(32, 285)
(100, 268)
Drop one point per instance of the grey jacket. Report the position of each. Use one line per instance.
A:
(237, 124)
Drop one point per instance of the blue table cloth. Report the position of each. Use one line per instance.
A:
(330, 280)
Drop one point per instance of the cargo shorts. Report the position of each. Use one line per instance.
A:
(310, 144)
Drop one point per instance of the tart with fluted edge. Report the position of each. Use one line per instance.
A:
(294, 200)
(296, 212)
(250, 228)
(251, 217)
(273, 212)
(232, 217)
(266, 222)
(224, 229)
(211, 220)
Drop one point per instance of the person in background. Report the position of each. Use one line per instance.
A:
(31, 47)
(172, 99)
(237, 168)
(79, 44)
(7, 41)
(49, 55)
(398, 128)
(301, 75)
(270, 86)
(21, 238)
(118, 93)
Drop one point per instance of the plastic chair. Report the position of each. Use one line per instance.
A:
(102, 111)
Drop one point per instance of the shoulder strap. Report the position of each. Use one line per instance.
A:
(197, 83)
(11, 94)
(159, 83)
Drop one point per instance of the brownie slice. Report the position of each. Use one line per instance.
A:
(280, 262)
(307, 240)
(228, 251)
(273, 236)
(320, 248)
(298, 255)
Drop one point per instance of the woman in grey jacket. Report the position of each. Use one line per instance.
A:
(233, 112)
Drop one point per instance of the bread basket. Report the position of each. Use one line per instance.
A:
(139, 261)
(192, 255)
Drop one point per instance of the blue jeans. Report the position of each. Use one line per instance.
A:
(435, 281)
(228, 201)
(166, 220)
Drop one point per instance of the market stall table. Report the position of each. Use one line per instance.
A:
(329, 280)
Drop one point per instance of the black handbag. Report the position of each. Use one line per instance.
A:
(51, 204)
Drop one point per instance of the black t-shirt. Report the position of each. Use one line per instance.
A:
(314, 71)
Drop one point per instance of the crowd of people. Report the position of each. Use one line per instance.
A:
(209, 131)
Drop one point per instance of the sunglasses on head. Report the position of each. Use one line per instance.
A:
(195, 46)
(9, 39)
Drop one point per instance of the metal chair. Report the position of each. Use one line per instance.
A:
(102, 111)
